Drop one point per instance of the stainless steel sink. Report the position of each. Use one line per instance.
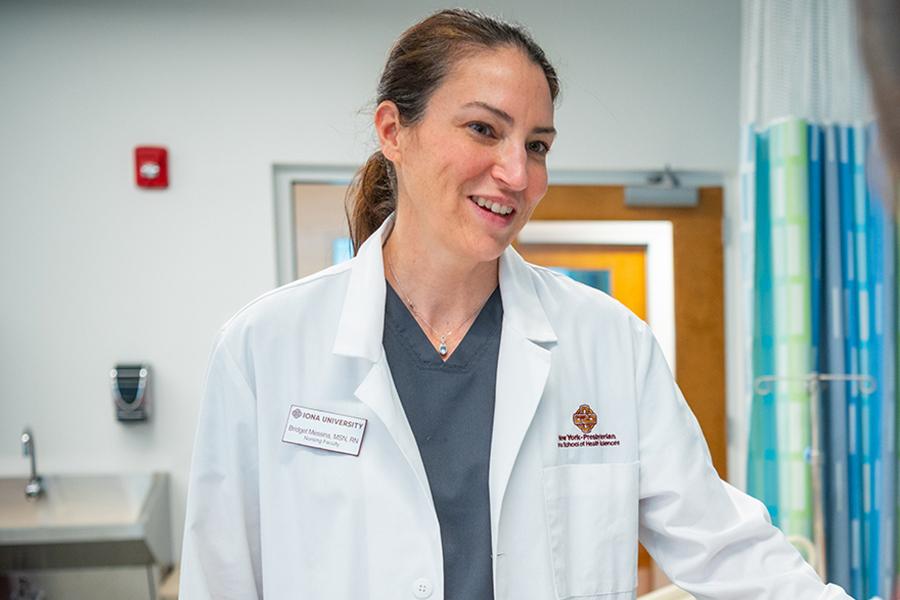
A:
(85, 521)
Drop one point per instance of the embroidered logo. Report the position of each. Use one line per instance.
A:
(584, 418)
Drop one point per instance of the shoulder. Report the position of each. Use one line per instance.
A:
(290, 308)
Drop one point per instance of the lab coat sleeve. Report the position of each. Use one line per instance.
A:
(221, 551)
(710, 539)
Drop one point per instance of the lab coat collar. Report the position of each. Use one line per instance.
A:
(523, 365)
(522, 309)
(361, 325)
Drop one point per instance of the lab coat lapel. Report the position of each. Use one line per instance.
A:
(377, 391)
(359, 335)
(522, 370)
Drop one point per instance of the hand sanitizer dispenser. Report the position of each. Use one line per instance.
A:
(130, 393)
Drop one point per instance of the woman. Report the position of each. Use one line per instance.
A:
(437, 418)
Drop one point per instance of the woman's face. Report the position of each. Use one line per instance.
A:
(473, 169)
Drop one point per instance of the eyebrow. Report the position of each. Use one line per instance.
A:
(505, 116)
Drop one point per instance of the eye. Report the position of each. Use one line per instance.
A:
(538, 147)
(482, 129)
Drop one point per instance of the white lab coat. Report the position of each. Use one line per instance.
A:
(266, 518)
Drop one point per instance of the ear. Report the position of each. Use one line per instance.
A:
(387, 126)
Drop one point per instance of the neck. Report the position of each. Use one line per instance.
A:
(444, 288)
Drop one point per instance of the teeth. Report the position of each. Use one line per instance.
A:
(492, 206)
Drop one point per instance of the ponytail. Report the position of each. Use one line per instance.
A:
(370, 198)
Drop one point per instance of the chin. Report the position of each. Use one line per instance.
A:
(489, 250)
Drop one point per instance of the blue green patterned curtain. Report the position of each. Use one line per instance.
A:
(822, 286)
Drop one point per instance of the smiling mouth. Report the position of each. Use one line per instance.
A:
(492, 207)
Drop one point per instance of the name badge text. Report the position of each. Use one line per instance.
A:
(325, 430)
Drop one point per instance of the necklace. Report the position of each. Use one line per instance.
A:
(442, 348)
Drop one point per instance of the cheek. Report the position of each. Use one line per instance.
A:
(449, 166)
(470, 164)
(537, 183)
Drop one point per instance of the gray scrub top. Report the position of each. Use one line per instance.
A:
(450, 408)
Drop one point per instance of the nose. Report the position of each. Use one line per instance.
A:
(511, 167)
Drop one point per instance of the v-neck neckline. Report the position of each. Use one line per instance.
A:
(417, 343)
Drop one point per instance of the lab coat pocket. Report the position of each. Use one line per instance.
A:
(592, 527)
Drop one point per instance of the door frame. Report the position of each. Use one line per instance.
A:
(283, 179)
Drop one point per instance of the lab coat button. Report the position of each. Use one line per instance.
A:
(422, 588)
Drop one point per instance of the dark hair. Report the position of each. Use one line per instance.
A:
(416, 66)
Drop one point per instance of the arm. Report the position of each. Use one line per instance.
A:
(711, 539)
(221, 551)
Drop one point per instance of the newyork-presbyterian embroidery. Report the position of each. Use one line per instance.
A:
(585, 419)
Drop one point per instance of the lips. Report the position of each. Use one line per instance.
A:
(492, 206)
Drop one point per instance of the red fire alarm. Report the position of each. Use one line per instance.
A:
(151, 167)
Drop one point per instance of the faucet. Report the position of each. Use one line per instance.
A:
(35, 485)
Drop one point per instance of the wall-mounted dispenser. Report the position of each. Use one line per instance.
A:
(130, 392)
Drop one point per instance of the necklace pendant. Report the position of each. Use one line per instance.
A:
(442, 349)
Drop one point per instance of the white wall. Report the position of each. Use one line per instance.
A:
(94, 271)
